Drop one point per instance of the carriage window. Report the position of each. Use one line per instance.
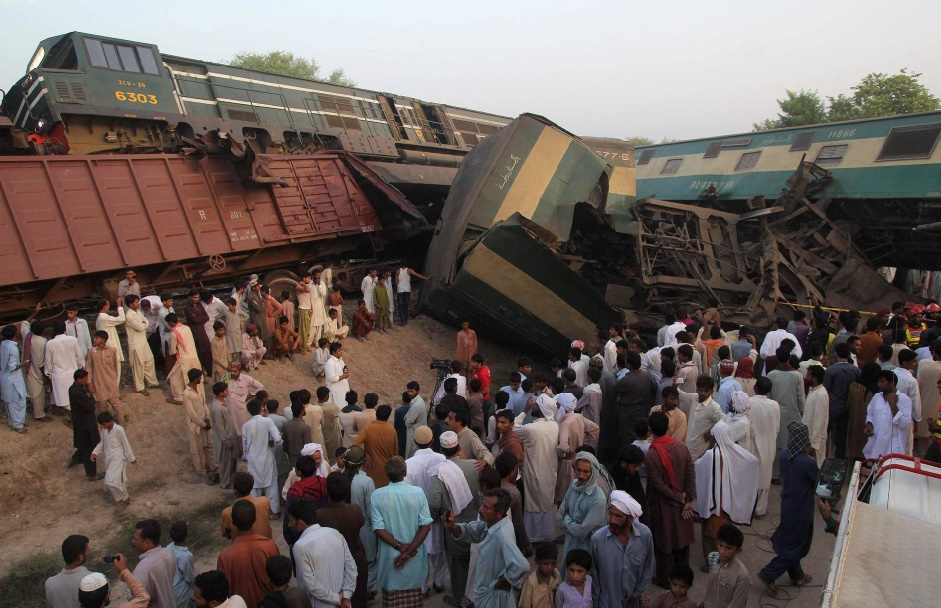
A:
(831, 156)
(803, 141)
(747, 161)
(645, 157)
(111, 53)
(147, 60)
(96, 54)
(906, 143)
(671, 166)
(128, 58)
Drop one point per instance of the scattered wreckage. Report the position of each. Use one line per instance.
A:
(533, 245)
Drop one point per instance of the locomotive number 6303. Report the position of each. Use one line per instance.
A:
(135, 97)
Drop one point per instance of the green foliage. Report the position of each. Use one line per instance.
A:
(638, 140)
(884, 95)
(798, 108)
(287, 63)
(876, 95)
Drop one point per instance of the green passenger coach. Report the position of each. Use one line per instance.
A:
(883, 182)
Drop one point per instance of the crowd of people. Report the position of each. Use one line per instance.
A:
(615, 454)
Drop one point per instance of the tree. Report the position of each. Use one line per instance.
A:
(884, 95)
(288, 64)
(876, 95)
(799, 108)
(639, 140)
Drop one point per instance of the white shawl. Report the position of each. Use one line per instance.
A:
(453, 479)
(726, 479)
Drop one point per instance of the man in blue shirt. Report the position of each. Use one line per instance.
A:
(400, 511)
(622, 556)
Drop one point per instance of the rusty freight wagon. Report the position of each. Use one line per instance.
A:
(72, 223)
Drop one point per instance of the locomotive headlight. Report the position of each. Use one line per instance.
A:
(40, 124)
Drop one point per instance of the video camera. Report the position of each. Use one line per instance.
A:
(442, 366)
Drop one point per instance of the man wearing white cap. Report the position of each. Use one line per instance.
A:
(422, 466)
(621, 555)
(454, 489)
(94, 591)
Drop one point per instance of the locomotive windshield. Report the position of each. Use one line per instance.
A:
(124, 57)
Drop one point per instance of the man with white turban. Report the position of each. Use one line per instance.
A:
(540, 439)
(574, 430)
(621, 555)
(315, 451)
(726, 487)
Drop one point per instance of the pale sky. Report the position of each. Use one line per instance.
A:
(680, 69)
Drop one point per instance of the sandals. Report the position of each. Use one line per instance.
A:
(22, 431)
(770, 588)
(806, 580)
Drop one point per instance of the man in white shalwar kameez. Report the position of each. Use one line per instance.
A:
(117, 452)
(259, 436)
(318, 310)
(540, 439)
(34, 349)
(765, 415)
(501, 567)
(817, 412)
(907, 385)
(107, 323)
(63, 357)
(421, 467)
(215, 308)
(138, 349)
(336, 376)
(368, 287)
(888, 419)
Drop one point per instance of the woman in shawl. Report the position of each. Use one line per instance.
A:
(584, 508)
(745, 374)
(858, 397)
(726, 487)
(791, 541)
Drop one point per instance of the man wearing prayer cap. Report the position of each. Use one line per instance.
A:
(454, 489)
(727, 384)
(622, 556)
(421, 467)
(94, 592)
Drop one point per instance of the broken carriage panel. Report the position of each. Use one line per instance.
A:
(539, 181)
(512, 284)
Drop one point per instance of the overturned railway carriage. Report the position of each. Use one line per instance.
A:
(73, 222)
(527, 243)
(882, 179)
(88, 94)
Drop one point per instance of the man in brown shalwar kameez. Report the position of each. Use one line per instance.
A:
(347, 519)
(671, 491)
(102, 366)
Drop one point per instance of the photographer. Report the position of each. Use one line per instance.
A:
(94, 591)
(455, 368)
